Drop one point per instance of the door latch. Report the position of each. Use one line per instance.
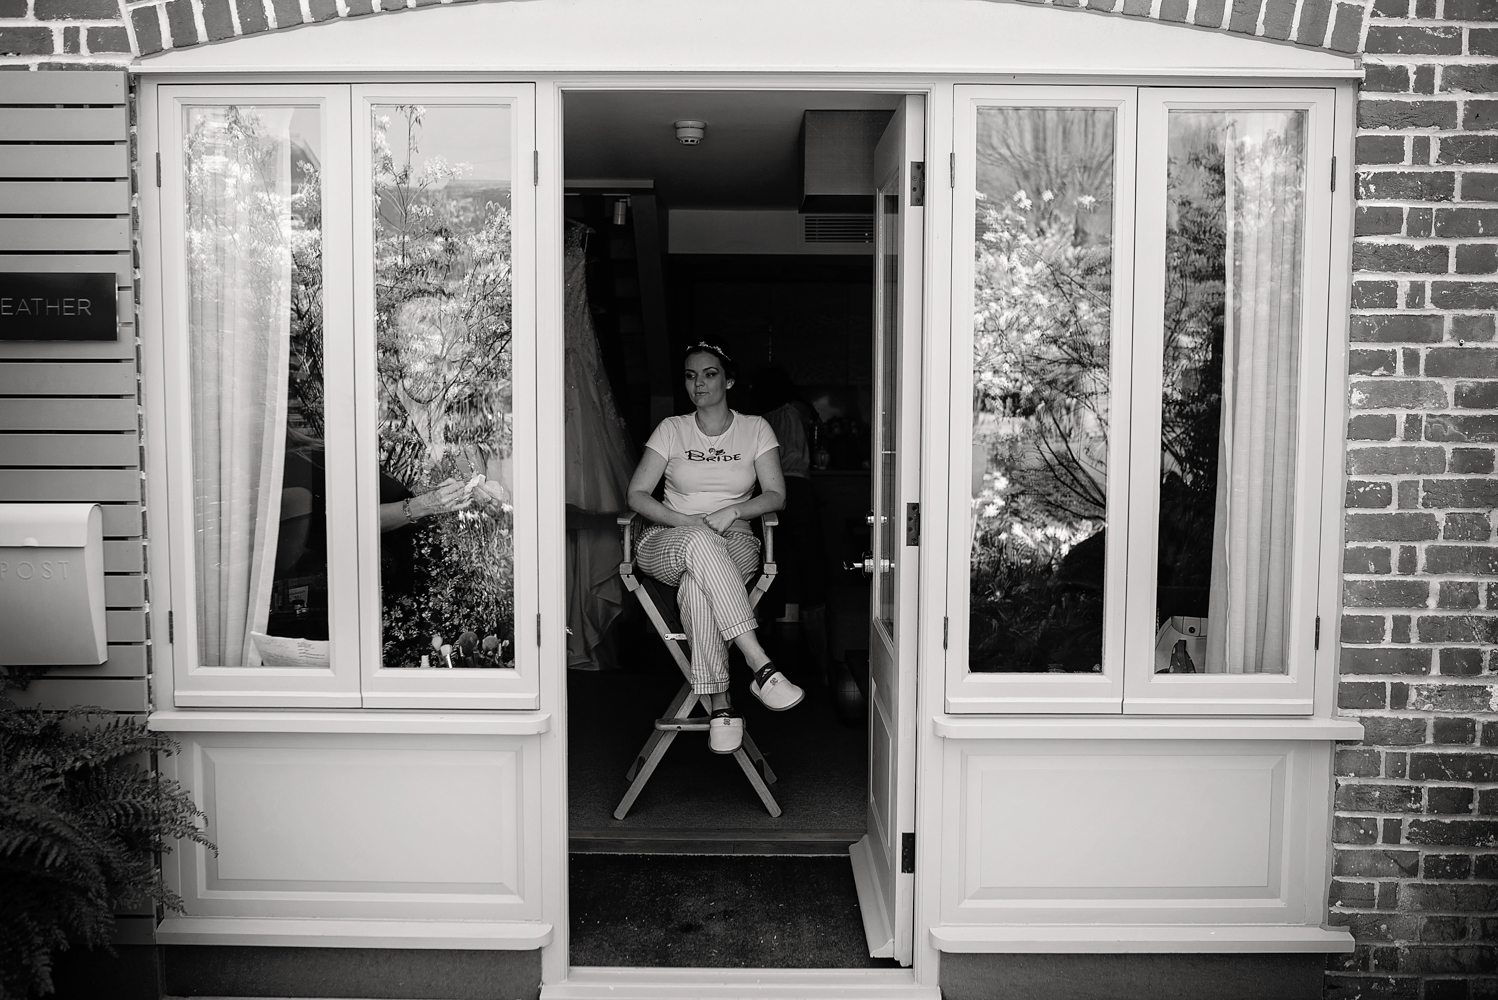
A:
(917, 183)
(912, 524)
(907, 853)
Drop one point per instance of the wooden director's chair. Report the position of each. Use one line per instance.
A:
(659, 602)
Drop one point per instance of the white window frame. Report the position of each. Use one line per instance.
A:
(208, 685)
(355, 677)
(404, 687)
(1128, 684)
(1089, 693)
(1292, 692)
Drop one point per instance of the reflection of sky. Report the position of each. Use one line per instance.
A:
(306, 132)
(475, 135)
(1053, 158)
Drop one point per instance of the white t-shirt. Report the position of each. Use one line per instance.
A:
(704, 474)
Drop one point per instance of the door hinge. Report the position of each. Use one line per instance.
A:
(917, 183)
(171, 629)
(1318, 631)
(538, 629)
(912, 524)
(945, 629)
(952, 169)
(1334, 173)
(158, 170)
(907, 853)
(535, 168)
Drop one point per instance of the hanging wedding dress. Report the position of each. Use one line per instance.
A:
(600, 462)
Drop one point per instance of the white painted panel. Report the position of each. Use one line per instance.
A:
(1130, 833)
(65, 197)
(124, 591)
(112, 694)
(53, 88)
(361, 826)
(441, 819)
(55, 160)
(1092, 823)
(63, 379)
(64, 124)
(54, 233)
(23, 414)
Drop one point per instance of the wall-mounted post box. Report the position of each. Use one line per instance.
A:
(52, 584)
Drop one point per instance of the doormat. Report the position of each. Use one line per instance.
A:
(734, 911)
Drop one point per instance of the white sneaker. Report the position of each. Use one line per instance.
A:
(725, 732)
(775, 689)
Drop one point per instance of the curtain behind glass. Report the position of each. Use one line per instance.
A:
(238, 217)
(1251, 543)
(1232, 339)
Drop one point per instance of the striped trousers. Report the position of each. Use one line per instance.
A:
(709, 571)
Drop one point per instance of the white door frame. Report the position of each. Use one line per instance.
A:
(550, 305)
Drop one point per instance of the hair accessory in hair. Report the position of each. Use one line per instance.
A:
(714, 348)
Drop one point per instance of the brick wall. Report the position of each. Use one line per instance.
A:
(1416, 828)
(68, 34)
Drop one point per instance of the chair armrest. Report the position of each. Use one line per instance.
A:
(626, 524)
(769, 522)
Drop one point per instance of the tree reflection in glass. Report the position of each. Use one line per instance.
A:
(443, 323)
(1041, 349)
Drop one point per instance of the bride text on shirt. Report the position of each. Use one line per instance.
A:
(711, 455)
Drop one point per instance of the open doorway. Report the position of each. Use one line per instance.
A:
(758, 238)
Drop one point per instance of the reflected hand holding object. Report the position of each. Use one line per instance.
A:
(452, 495)
(490, 495)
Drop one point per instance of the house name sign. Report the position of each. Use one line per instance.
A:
(57, 306)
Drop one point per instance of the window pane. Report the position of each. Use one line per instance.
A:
(1236, 214)
(442, 314)
(1042, 323)
(254, 304)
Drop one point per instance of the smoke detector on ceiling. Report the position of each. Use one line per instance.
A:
(690, 133)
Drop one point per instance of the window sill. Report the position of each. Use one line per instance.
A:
(417, 723)
(1137, 728)
(331, 933)
(1179, 938)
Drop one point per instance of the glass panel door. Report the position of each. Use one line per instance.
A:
(899, 237)
(1235, 317)
(445, 299)
(1041, 372)
(257, 331)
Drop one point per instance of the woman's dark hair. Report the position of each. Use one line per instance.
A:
(730, 370)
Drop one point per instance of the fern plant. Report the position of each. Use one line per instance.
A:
(81, 825)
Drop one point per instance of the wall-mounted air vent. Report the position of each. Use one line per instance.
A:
(838, 228)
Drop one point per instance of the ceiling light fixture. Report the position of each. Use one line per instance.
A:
(690, 133)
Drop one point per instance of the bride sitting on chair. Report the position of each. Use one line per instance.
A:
(699, 539)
